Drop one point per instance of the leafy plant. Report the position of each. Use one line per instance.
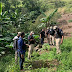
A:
(0, 8)
(9, 46)
(70, 21)
(46, 20)
(46, 46)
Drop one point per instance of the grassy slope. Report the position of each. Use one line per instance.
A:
(45, 61)
(7, 62)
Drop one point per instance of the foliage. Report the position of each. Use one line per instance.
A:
(45, 20)
(59, 3)
(12, 67)
(5, 61)
(9, 46)
(66, 46)
(64, 59)
(70, 20)
(8, 41)
(47, 56)
(21, 15)
(46, 46)
(0, 8)
(36, 37)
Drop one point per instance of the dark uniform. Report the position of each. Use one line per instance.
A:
(58, 37)
(42, 37)
(48, 35)
(52, 32)
(31, 45)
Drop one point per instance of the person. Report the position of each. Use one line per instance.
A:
(15, 46)
(59, 36)
(48, 35)
(21, 50)
(31, 44)
(52, 32)
(42, 35)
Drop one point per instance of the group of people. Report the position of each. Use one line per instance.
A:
(20, 47)
(54, 35)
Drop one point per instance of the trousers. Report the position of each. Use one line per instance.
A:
(31, 47)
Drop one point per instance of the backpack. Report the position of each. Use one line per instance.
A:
(47, 32)
(51, 31)
(15, 44)
(60, 32)
(24, 46)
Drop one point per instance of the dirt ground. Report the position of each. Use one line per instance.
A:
(65, 25)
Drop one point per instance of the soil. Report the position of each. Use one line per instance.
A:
(43, 64)
(65, 25)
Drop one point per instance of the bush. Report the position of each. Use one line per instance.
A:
(12, 67)
(70, 21)
(46, 46)
(66, 46)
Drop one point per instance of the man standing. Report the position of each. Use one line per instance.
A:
(31, 44)
(42, 36)
(15, 46)
(52, 32)
(21, 50)
(59, 38)
(48, 35)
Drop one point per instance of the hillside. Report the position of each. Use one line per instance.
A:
(33, 15)
(66, 25)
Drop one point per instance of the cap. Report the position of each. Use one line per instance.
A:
(55, 27)
(47, 27)
(19, 33)
(31, 32)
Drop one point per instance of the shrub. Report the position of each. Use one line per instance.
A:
(46, 46)
(66, 46)
(70, 21)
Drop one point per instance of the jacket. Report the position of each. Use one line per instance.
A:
(21, 46)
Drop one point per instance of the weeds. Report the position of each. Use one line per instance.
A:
(44, 62)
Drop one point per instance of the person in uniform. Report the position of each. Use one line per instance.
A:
(48, 35)
(42, 36)
(52, 32)
(31, 44)
(59, 36)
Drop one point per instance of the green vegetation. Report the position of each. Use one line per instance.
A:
(33, 15)
(42, 62)
(25, 15)
(70, 20)
(47, 20)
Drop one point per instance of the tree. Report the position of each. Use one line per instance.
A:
(47, 19)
